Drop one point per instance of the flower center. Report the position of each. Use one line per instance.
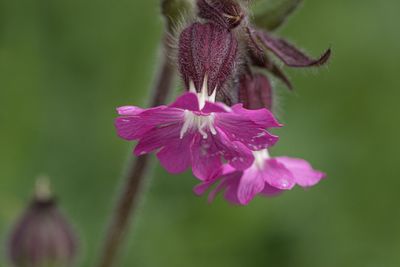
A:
(260, 157)
(201, 123)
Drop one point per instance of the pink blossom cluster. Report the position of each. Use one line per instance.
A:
(220, 127)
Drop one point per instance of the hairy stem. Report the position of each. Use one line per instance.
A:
(129, 196)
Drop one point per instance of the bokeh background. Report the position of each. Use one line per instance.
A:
(65, 65)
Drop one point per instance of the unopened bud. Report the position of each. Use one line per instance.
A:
(207, 55)
(255, 91)
(226, 13)
(42, 237)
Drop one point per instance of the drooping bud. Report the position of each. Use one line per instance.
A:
(226, 13)
(259, 58)
(207, 55)
(42, 236)
(255, 91)
(288, 53)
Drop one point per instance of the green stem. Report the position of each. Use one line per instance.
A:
(130, 195)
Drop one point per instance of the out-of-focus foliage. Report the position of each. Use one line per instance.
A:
(65, 66)
(271, 14)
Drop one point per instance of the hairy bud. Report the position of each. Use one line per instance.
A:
(255, 91)
(226, 13)
(42, 237)
(207, 55)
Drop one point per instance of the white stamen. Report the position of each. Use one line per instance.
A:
(202, 124)
(260, 157)
(203, 95)
(192, 88)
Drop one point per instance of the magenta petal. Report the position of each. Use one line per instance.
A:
(263, 116)
(158, 137)
(129, 110)
(206, 158)
(213, 107)
(302, 171)
(240, 128)
(175, 157)
(277, 175)
(201, 189)
(251, 183)
(132, 127)
(270, 191)
(229, 184)
(237, 154)
(187, 101)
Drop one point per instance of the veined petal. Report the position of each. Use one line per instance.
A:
(263, 116)
(240, 128)
(129, 110)
(159, 137)
(277, 175)
(175, 157)
(186, 101)
(201, 189)
(229, 184)
(251, 183)
(206, 157)
(302, 171)
(214, 107)
(136, 121)
(270, 191)
(236, 153)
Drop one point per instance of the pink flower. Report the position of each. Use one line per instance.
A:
(267, 176)
(194, 131)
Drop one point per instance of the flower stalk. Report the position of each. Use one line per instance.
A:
(134, 178)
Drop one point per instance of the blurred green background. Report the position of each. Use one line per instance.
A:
(65, 65)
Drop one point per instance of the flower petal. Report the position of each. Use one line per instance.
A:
(289, 54)
(129, 110)
(132, 127)
(240, 128)
(276, 175)
(206, 157)
(214, 107)
(187, 101)
(236, 153)
(175, 157)
(201, 189)
(302, 171)
(159, 137)
(262, 117)
(229, 183)
(251, 183)
(270, 191)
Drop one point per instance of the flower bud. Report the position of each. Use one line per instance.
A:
(42, 237)
(255, 91)
(226, 13)
(207, 55)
